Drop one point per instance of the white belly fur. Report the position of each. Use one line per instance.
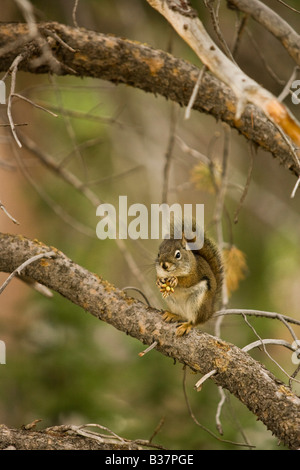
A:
(186, 301)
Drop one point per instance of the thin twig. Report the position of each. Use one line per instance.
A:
(194, 93)
(201, 425)
(58, 39)
(256, 313)
(258, 51)
(57, 208)
(168, 155)
(198, 385)
(20, 268)
(287, 88)
(80, 430)
(114, 176)
(215, 20)
(293, 335)
(219, 210)
(192, 152)
(236, 421)
(290, 144)
(138, 290)
(278, 342)
(152, 346)
(294, 374)
(70, 129)
(157, 429)
(2, 207)
(104, 428)
(219, 410)
(13, 68)
(93, 198)
(82, 115)
(27, 10)
(34, 104)
(265, 350)
(240, 29)
(288, 6)
(46, 56)
(16, 125)
(247, 184)
(111, 437)
(295, 188)
(74, 13)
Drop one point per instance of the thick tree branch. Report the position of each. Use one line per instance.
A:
(270, 400)
(185, 21)
(123, 61)
(65, 437)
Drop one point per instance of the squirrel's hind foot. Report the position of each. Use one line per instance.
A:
(170, 317)
(184, 329)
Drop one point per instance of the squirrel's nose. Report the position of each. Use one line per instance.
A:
(165, 265)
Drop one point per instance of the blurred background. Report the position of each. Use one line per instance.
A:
(63, 365)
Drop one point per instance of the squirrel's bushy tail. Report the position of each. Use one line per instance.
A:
(212, 255)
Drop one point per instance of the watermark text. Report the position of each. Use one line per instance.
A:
(135, 221)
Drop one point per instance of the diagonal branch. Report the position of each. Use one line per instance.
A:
(271, 21)
(186, 23)
(138, 65)
(270, 400)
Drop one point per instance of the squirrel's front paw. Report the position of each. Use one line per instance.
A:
(166, 285)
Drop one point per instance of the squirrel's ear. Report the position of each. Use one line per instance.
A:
(185, 241)
(189, 239)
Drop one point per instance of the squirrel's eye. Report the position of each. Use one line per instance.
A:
(177, 254)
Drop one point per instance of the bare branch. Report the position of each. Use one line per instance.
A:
(194, 94)
(257, 313)
(74, 13)
(286, 90)
(265, 350)
(215, 20)
(13, 68)
(124, 61)
(247, 184)
(198, 385)
(273, 23)
(2, 207)
(68, 437)
(257, 344)
(255, 386)
(194, 417)
(168, 154)
(295, 188)
(219, 409)
(288, 6)
(17, 95)
(189, 27)
(20, 268)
